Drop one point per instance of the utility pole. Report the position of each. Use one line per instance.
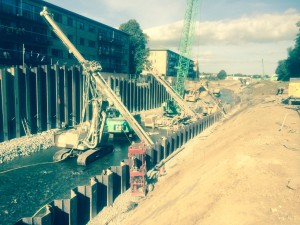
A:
(263, 67)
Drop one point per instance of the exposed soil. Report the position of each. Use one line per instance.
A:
(244, 170)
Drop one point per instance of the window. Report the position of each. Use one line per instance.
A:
(9, 6)
(70, 22)
(57, 53)
(118, 37)
(92, 44)
(28, 11)
(36, 15)
(53, 35)
(70, 37)
(81, 41)
(70, 55)
(103, 35)
(58, 17)
(81, 25)
(92, 29)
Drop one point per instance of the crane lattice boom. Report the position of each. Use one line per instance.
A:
(186, 44)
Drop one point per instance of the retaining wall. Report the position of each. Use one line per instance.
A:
(45, 97)
(86, 201)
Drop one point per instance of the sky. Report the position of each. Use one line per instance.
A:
(238, 36)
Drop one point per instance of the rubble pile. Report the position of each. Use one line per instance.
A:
(25, 146)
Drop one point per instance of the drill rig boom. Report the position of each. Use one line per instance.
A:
(92, 70)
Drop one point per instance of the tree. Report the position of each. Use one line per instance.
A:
(138, 57)
(282, 70)
(222, 75)
(290, 67)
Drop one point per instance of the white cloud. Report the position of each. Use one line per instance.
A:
(236, 45)
(147, 13)
(257, 29)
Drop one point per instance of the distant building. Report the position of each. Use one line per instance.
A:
(164, 62)
(21, 24)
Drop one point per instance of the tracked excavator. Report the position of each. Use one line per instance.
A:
(86, 140)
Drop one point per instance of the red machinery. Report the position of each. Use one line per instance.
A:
(137, 168)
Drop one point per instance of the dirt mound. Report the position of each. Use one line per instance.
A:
(246, 172)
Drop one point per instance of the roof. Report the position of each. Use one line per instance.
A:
(163, 50)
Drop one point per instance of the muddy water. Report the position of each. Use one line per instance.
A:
(24, 191)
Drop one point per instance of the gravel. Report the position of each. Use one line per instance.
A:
(25, 146)
(120, 210)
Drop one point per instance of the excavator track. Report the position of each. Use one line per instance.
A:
(92, 155)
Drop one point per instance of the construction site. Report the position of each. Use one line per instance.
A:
(82, 146)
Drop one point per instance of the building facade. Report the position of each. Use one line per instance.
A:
(164, 63)
(25, 36)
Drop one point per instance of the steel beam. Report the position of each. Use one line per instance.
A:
(18, 118)
(74, 97)
(57, 96)
(37, 71)
(28, 96)
(66, 95)
(47, 70)
(5, 102)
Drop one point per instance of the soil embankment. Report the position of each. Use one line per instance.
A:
(245, 170)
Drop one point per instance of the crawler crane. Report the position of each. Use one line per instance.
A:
(186, 42)
(177, 92)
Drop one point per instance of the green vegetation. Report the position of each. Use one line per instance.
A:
(290, 67)
(222, 75)
(137, 47)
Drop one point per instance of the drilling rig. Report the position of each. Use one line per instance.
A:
(84, 139)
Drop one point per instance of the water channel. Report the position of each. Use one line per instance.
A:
(24, 191)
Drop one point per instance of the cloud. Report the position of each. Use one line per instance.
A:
(147, 13)
(257, 29)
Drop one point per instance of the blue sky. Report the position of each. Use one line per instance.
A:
(234, 35)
